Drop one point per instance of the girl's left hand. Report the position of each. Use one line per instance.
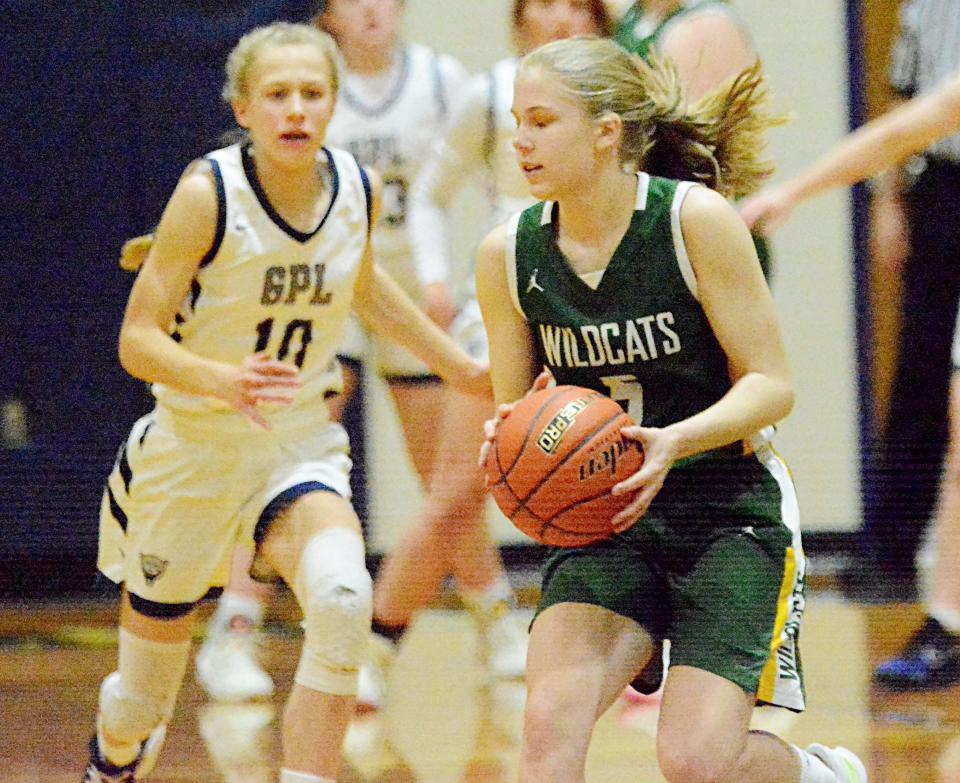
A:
(659, 454)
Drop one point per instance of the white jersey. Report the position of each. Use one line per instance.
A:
(478, 144)
(389, 121)
(264, 286)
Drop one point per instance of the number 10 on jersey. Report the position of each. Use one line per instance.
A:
(299, 330)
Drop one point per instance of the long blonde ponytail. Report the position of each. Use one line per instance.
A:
(717, 140)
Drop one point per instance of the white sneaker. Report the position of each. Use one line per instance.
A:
(227, 667)
(100, 771)
(503, 640)
(372, 677)
(843, 763)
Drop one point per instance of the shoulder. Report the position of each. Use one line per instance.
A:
(452, 71)
(196, 191)
(704, 25)
(492, 251)
(702, 205)
(712, 228)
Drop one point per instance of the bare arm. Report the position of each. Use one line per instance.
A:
(147, 351)
(454, 157)
(870, 149)
(737, 302)
(386, 309)
(512, 356)
(738, 305)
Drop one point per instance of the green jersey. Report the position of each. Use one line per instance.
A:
(636, 34)
(641, 337)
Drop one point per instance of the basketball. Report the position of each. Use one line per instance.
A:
(554, 461)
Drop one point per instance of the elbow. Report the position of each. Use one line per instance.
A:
(128, 354)
(786, 399)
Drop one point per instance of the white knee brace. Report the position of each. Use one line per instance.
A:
(336, 596)
(141, 695)
(129, 717)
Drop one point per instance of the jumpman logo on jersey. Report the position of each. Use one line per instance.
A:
(533, 284)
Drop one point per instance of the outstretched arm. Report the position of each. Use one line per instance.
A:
(386, 309)
(879, 144)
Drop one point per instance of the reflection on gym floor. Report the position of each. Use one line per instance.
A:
(445, 721)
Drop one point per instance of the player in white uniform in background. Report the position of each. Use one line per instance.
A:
(235, 318)
(450, 536)
(394, 100)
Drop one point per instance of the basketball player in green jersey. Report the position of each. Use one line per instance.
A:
(648, 289)
(707, 41)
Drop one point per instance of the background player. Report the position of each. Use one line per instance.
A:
(705, 386)
(450, 535)
(234, 318)
(394, 99)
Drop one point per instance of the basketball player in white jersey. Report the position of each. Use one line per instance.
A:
(394, 99)
(235, 319)
(450, 536)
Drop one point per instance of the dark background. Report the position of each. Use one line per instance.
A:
(104, 104)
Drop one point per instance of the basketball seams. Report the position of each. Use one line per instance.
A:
(585, 440)
(550, 506)
(534, 423)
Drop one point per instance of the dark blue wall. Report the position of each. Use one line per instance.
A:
(104, 103)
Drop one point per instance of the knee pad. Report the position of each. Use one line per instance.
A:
(335, 593)
(128, 717)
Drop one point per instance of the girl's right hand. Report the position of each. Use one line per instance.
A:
(542, 381)
(260, 379)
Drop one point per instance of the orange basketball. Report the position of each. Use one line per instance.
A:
(554, 460)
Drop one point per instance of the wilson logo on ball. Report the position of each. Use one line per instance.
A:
(606, 461)
(552, 434)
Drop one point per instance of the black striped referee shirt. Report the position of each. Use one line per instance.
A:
(925, 53)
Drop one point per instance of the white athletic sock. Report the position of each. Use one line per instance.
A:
(289, 776)
(232, 605)
(812, 769)
(948, 618)
(499, 592)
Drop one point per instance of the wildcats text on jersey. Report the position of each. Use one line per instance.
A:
(596, 345)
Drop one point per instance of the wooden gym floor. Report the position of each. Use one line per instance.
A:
(444, 722)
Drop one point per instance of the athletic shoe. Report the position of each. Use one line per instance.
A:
(930, 660)
(843, 763)
(227, 666)
(503, 638)
(99, 770)
(372, 677)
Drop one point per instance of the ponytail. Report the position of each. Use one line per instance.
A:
(134, 252)
(716, 141)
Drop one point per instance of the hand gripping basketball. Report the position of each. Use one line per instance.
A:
(552, 461)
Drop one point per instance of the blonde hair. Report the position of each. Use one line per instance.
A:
(716, 141)
(243, 56)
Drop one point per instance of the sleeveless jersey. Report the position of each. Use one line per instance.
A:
(394, 134)
(265, 286)
(641, 337)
